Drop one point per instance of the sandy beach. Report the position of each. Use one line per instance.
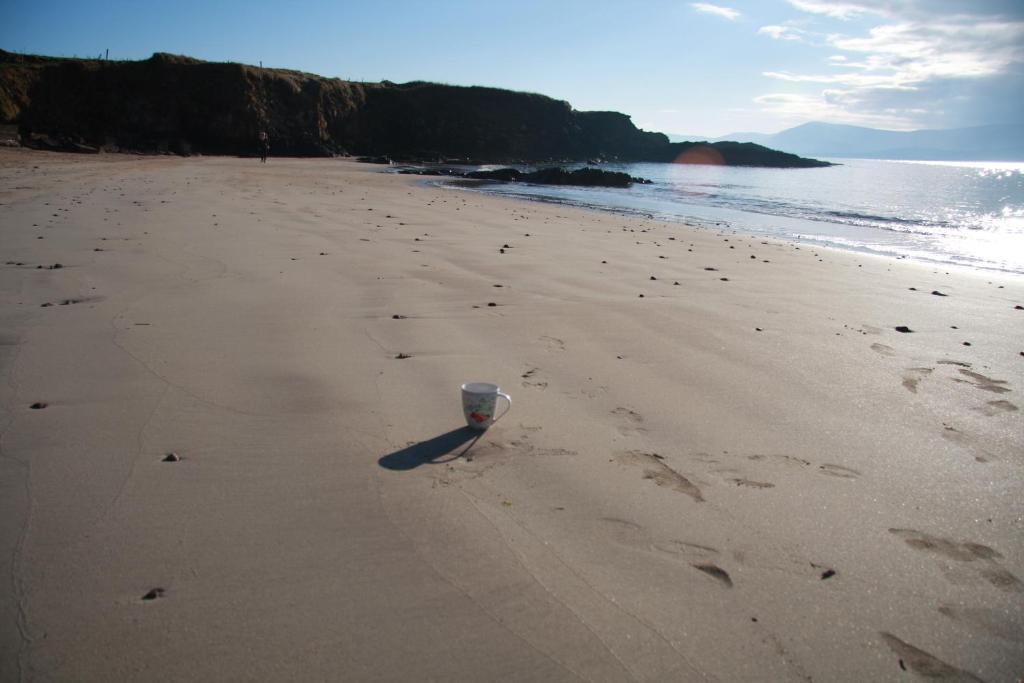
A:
(723, 461)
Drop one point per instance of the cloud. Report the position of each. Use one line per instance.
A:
(838, 10)
(859, 80)
(957, 48)
(826, 106)
(718, 11)
(902, 70)
(782, 33)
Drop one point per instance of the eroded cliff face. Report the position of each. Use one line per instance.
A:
(169, 103)
(177, 104)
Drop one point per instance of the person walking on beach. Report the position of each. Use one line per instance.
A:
(264, 146)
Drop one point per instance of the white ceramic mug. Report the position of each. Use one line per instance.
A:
(479, 399)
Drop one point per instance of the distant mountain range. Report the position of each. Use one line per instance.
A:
(1001, 142)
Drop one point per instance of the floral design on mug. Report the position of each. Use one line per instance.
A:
(479, 401)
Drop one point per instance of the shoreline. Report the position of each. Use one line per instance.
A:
(962, 268)
(749, 474)
(931, 244)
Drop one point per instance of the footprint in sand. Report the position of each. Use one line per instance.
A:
(630, 421)
(912, 376)
(735, 468)
(838, 471)
(556, 452)
(531, 380)
(626, 533)
(954, 435)
(750, 483)
(660, 473)
(781, 459)
(715, 572)
(696, 555)
(1004, 624)
(524, 446)
(987, 567)
(923, 663)
(553, 343)
(984, 383)
(995, 407)
(883, 349)
(154, 594)
(685, 549)
(71, 302)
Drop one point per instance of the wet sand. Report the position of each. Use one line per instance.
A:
(724, 460)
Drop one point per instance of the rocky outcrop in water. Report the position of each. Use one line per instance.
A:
(585, 177)
(175, 104)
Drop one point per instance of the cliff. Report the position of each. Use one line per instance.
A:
(169, 103)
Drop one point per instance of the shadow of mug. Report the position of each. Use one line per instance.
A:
(431, 451)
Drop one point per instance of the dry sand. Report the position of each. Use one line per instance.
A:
(746, 476)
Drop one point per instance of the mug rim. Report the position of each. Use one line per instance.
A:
(480, 388)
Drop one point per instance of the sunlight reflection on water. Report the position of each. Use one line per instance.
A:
(969, 213)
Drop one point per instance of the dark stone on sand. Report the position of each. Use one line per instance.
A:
(402, 356)
(828, 574)
(398, 316)
(913, 289)
(38, 405)
(153, 594)
(501, 251)
(724, 279)
(1018, 308)
(491, 303)
(709, 268)
(653, 278)
(903, 328)
(967, 343)
(46, 304)
(641, 296)
(56, 266)
(676, 283)
(171, 457)
(938, 293)
(758, 329)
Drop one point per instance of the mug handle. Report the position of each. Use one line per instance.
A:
(507, 408)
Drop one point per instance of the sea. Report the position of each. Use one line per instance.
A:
(953, 213)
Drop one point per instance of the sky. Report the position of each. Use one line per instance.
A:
(689, 68)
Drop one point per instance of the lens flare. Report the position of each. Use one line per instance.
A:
(700, 154)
